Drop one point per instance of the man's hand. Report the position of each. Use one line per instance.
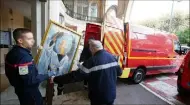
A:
(51, 79)
(79, 64)
(39, 48)
(51, 73)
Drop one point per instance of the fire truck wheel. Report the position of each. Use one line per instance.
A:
(138, 75)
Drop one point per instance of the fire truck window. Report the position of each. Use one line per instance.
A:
(134, 36)
(141, 36)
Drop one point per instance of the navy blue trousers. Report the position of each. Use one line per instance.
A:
(29, 96)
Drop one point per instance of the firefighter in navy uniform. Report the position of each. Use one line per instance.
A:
(21, 71)
(101, 70)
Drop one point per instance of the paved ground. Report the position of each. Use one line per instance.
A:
(4, 82)
(151, 91)
(74, 94)
(127, 93)
(165, 86)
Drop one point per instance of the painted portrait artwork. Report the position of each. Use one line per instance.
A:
(60, 46)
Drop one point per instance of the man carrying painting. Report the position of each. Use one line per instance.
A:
(101, 70)
(21, 70)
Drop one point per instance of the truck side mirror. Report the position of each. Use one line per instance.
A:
(177, 47)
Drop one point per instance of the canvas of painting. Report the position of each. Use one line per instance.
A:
(59, 48)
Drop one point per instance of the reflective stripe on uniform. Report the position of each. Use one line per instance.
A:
(99, 67)
(17, 65)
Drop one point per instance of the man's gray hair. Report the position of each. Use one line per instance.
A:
(95, 44)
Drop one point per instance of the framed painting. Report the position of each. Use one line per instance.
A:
(60, 45)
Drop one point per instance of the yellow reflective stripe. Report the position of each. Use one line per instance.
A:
(125, 73)
(119, 42)
(114, 45)
(121, 36)
(108, 45)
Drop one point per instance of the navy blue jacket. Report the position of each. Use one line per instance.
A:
(102, 70)
(19, 57)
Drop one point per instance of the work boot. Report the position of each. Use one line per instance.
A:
(60, 89)
(85, 85)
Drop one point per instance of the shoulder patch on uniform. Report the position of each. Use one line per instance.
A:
(23, 70)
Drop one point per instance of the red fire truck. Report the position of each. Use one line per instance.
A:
(141, 50)
(183, 81)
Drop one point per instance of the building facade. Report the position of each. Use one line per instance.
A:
(35, 15)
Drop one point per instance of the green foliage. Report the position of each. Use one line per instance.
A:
(184, 36)
(180, 25)
(188, 44)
